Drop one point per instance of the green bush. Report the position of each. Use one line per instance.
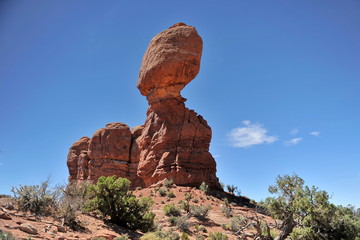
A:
(226, 208)
(171, 210)
(217, 236)
(171, 194)
(231, 188)
(111, 196)
(183, 223)
(200, 212)
(184, 236)
(6, 235)
(168, 183)
(123, 237)
(186, 206)
(162, 192)
(188, 196)
(37, 199)
(306, 213)
(159, 235)
(204, 187)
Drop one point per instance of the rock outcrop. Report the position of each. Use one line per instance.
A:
(174, 141)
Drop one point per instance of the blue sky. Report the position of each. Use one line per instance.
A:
(279, 85)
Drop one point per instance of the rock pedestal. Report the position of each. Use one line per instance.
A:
(174, 141)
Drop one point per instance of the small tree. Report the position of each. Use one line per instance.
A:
(306, 213)
(111, 196)
(231, 188)
(204, 187)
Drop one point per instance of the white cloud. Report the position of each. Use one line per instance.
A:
(315, 133)
(294, 131)
(293, 141)
(250, 134)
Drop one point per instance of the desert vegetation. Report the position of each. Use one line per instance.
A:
(297, 211)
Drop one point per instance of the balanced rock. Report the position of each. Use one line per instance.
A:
(174, 141)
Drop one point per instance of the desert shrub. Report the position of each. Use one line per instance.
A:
(204, 187)
(159, 235)
(186, 206)
(172, 220)
(183, 223)
(226, 208)
(200, 212)
(171, 194)
(217, 236)
(6, 235)
(195, 200)
(199, 237)
(111, 196)
(237, 223)
(72, 200)
(162, 192)
(231, 188)
(184, 236)
(37, 199)
(188, 196)
(171, 210)
(200, 228)
(168, 183)
(5, 196)
(123, 237)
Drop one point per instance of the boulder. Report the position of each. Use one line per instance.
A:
(26, 227)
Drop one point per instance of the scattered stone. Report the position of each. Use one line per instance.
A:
(5, 216)
(61, 228)
(25, 227)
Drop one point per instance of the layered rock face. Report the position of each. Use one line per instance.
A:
(174, 141)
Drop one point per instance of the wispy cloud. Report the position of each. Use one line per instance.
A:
(250, 134)
(315, 133)
(293, 141)
(294, 131)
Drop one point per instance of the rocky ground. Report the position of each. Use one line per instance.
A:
(24, 225)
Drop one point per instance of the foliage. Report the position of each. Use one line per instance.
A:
(200, 212)
(171, 194)
(306, 213)
(182, 223)
(186, 206)
(123, 237)
(188, 196)
(231, 188)
(162, 192)
(217, 236)
(168, 183)
(184, 236)
(204, 187)
(111, 196)
(159, 235)
(38, 199)
(226, 208)
(6, 235)
(72, 200)
(171, 210)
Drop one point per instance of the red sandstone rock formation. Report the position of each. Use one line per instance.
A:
(173, 142)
